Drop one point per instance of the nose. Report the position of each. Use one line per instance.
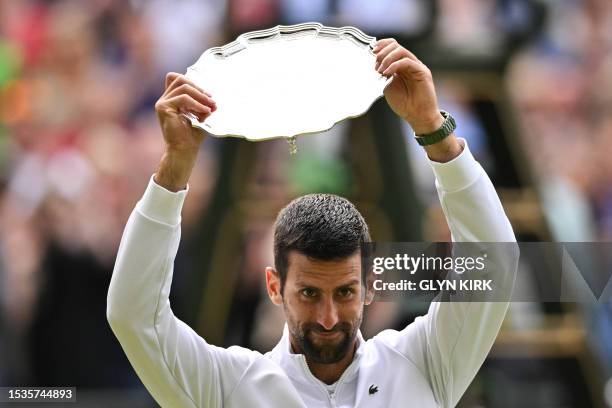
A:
(327, 314)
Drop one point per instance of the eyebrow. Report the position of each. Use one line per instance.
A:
(352, 282)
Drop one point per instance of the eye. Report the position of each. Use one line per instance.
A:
(346, 292)
(308, 292)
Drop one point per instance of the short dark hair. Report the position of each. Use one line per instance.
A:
(325, 227)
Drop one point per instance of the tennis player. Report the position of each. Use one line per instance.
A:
(321, 360)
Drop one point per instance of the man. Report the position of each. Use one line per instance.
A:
(322, 360)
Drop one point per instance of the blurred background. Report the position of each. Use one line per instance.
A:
(529, 81)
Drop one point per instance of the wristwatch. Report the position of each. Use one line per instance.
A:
(448, 126)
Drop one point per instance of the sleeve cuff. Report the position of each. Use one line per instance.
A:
(458, 173)
(162, 205)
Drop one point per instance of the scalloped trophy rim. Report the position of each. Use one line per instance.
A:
(242, 42)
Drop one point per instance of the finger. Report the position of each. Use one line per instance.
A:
(393, 56)
(416, 69)
(380, 56)
(392, 46)
(195, 93)
(382, 51)
(412, 56)
(186, 104)
(380, 44)
(170, 77)
(181, 80)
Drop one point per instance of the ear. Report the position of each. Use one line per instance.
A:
(273, 285)
(370, 292)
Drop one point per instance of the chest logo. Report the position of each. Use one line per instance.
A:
(373, 389)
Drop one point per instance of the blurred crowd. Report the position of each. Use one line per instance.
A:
(79, 139)
(561, 85)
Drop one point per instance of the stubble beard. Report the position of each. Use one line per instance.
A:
(324, 351)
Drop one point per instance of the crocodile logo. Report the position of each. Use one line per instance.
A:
(373, 389)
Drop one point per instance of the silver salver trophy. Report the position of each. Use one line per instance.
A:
(288, 81)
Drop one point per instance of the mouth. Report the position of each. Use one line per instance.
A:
(327, 335)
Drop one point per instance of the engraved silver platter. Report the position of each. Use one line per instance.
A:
(288, 80)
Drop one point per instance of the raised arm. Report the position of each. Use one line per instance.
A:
(451, 342)
(175, 364)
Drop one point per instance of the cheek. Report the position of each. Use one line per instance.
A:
(351, 312)
(295, 312)
(291, 305)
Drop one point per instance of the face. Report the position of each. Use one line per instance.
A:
(323, 303)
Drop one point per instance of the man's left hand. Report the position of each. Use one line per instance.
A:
(411, 94)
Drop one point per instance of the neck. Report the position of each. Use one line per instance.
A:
(330, 373)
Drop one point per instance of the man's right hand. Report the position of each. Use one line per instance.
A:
(181, 96)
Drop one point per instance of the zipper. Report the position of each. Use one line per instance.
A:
(339, 383)
(332, 398)
(312, 377)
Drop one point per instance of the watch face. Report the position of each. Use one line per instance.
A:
(288, 80)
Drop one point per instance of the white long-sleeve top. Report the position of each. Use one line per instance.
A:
(430, 363)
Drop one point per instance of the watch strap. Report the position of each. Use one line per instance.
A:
(448, 126)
